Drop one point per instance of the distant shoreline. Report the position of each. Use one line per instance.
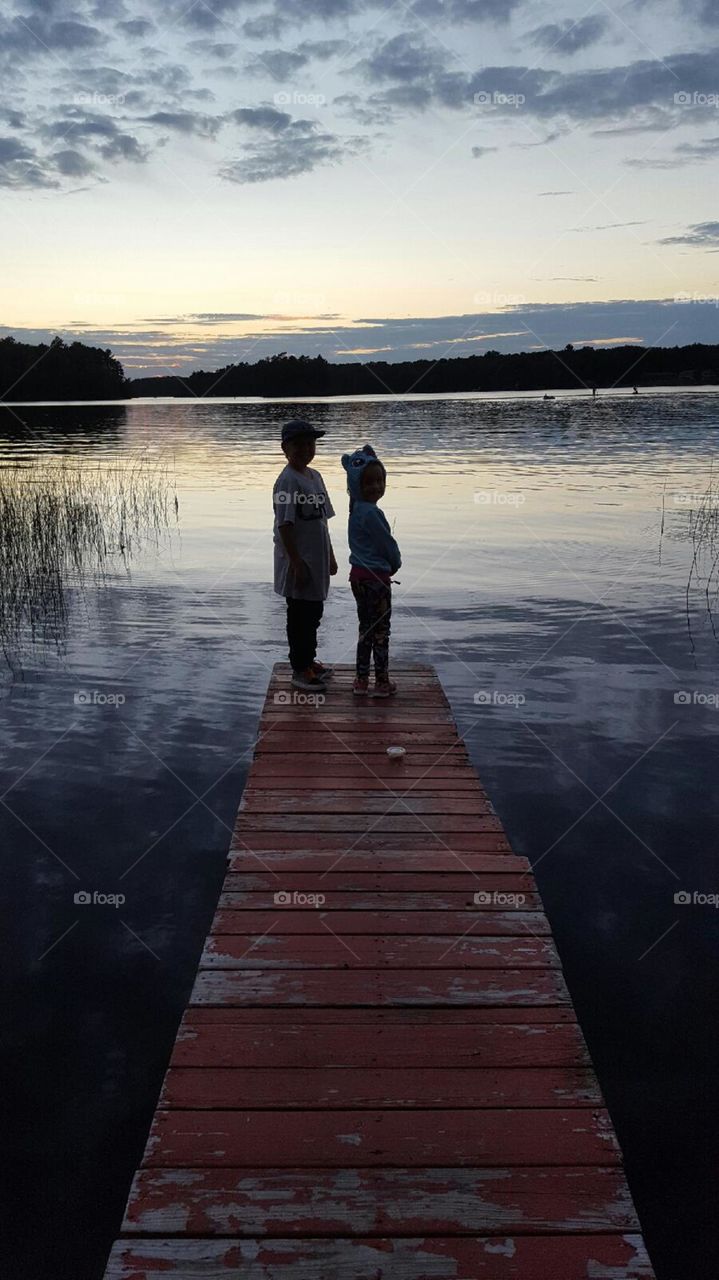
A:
(75, 372)
(560, 394)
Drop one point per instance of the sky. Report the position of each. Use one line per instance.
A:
(194, 184)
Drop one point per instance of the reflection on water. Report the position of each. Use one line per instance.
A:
(547, 548)
(60, 526)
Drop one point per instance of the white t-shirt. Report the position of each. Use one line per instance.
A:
(300, 498)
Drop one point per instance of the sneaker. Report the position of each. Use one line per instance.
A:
(360, 688)
(321, 671)
(308, 680)
(384, 688)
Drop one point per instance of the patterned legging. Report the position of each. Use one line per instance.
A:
(374, 610)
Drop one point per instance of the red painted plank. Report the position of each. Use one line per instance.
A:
(327, 1088)
(338, 880)
(384, 901)
(362, 860)
(527, 924)
(328, 949)
(367, 987)
(391, 818)
(361, 1202)
(619, 1257)
(431, 742)
(335, 763)
(455, 782)
(339, 801)
(417, 1021)
(301, 1044)
(424, 841)
(405, 1139)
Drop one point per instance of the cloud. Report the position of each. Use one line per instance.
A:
(287, 149)
(403, 58)
(71, 164)
(162, 348)
(571, 37)
(136, 28)
(702, 235)
(187, 122)
(278, 64)
(33, 37)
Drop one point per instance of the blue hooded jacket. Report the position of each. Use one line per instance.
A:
(371, 543)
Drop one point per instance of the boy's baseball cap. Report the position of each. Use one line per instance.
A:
(299, 427)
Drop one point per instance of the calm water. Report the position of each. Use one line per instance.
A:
(546, 554)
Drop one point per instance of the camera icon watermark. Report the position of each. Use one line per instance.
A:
(706, 299)
(495, 698)
(486, 298)
(96, 698)
(683, 898)
(496, 98)
(693, 98)
(295, 698)
(499, 498)
(95, 99)
(283, 898)
(96, 899)
(298, 98)
(483, 898)
(696, 698)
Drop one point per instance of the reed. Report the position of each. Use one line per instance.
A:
(62, 527)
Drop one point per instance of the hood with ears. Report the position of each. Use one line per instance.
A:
(354, 464)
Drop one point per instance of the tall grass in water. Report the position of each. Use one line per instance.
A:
(62, 526)
(703, 529)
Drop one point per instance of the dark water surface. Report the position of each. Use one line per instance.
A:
(547, 548)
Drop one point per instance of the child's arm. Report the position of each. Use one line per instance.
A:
(299, 568)
(379, 530)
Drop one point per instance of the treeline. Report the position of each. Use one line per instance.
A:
(285, 375)
(59, 371)
(74, 371)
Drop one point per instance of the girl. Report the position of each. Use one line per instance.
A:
(374, 557)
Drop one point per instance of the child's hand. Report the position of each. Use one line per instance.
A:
(333, 564)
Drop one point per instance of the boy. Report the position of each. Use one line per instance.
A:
(304, 559)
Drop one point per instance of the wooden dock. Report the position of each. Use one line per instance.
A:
(380, 1075)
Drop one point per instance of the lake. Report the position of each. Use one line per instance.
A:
(547, 546)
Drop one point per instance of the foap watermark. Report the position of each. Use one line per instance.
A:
(693, 898)
(96, 698)
(300, 499)
(95, 99)
(294, 698)
(497, 98)
(486, 298)
(497, 899)
(696, 698)
(496, 698)
(283, 898)
(83, 898)
(499, 498)
(694, 500)
(298, 98)
(708, 299)
(693, 98)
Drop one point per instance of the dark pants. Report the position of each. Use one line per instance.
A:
(374, 610)
(303, 619)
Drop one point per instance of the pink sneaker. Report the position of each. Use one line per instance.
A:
(360, 688)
